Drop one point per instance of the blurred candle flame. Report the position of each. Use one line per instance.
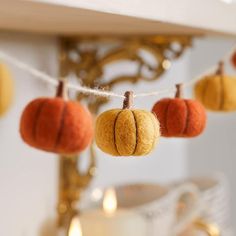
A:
(75, 227)
(110, 201)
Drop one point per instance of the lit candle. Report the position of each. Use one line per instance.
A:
(110, 202)
(111, 221)
(75, 227)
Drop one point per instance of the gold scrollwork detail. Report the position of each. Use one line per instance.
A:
(88, 57)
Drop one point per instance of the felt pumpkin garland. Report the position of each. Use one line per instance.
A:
(126, 132)
(6, 89)
(57, 124)
(217, 92)
(180, 117)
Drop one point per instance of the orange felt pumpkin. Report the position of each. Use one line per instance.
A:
(180, 117)
(233, 59)
(56, 124)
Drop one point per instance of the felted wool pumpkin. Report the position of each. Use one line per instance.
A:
(57, 124)
(6, 89)
(233, 59)
(180, 117)
(126, 132)
(217, 92)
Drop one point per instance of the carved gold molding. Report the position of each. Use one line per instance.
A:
(88, 56)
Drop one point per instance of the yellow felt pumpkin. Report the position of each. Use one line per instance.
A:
(217, 92)
(6, 89)
(127, 132)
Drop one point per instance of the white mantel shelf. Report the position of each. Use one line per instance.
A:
(75, 17)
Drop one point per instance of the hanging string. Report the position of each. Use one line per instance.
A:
(54, 81)
(21, 65)
(98, 92)
(211, 69)
(190, 82)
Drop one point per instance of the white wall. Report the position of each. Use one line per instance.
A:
(215, 149)
(28, 177)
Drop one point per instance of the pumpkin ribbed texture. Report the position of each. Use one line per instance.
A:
(56, 125)
(217, 92)
(126, 132)
(180, 117)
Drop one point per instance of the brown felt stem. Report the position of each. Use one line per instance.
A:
(179, 91)
(62, 90)
(220, 70)
(128, 101)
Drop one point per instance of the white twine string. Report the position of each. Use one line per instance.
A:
(21, 65)
(98, 92)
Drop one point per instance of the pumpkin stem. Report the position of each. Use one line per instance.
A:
(128, 101)
(220, 70)
(62, 91)
(179, 90)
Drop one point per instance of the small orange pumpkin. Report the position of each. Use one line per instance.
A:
(180, 117)
(233, 59)
(56, 124)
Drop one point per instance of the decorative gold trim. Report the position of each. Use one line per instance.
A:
(88, 56)
(72, 182)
